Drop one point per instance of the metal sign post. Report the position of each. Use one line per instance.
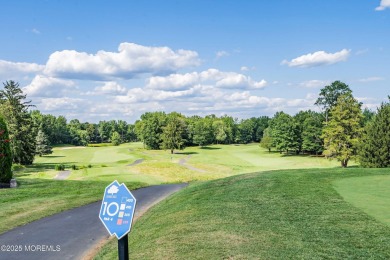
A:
(123, 248)
(117, 213)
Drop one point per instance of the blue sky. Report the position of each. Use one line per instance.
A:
(101, 60)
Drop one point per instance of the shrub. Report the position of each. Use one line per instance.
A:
(74, 167)
(89, 166)
(60, 167)
(5, 154)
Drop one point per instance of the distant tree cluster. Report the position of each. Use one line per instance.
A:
(341, 130)
(158, 130)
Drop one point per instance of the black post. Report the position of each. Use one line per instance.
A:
(123, 248)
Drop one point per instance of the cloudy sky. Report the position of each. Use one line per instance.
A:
(100, 60)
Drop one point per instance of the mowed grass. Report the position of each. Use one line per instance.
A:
(211, 162)
(284, 214)
(369, 193)
(40, 195)
(251, 158)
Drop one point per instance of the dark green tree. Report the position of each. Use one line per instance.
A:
(150, 128)
(5, 154)
(261, 123)
(42, 144)
(246, 131)
(311, 132)
(375, 145)
(368, 115)
(174, 133)
(284, 132)
(329, 94)
(202, 131)
(14, 110)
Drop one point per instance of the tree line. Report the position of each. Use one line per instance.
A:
(341, 130)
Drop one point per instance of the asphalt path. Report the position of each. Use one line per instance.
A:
(74, 233)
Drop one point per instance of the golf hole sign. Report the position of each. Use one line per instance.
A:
(117, 209)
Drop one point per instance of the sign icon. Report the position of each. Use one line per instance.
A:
(117, 209)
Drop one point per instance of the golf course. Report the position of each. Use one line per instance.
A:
(242, 201)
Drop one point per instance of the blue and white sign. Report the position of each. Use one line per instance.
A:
(117, 209)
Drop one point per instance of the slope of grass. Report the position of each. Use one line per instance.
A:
(290, 214)
(369, 193)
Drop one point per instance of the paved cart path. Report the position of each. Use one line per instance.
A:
(183, 162)
(73, 233)
(62, 175)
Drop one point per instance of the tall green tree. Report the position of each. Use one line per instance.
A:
(329, 95)
(220, 131)
(150, 128)
(42, 144)
(375, 144)
(174, 133)
(5, 154)
(116, 138)
(266, 141)
(341, 134)
(61, 134)
(14, 109)
(311, 132)
(261, 123)
(368, 115)
(246, 131)
(202, 131)
(284, 132)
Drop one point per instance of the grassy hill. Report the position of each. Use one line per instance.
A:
(285, 214)
(108, 163)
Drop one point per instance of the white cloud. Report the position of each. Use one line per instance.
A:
(361, 52)
(244, 68)
(35, 31)
(8, 67)
(221, 54)
(371, 79)
(109, 88)
(318, 58)
(314, 83)
(130, 61)
(383, 5)
(209, 77)
(62, 104)
(42, 86)
(235, 80)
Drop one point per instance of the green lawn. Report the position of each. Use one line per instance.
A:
(213, 162)
(284, 214)
(369, 193)
(40, 195)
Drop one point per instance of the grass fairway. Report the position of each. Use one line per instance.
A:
(39, 195)
(290, 214)
(213, 162)
(369, 193)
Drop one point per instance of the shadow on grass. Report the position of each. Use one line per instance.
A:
(52, 156)
(186, 153)
(44, 166)
(210, 148)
